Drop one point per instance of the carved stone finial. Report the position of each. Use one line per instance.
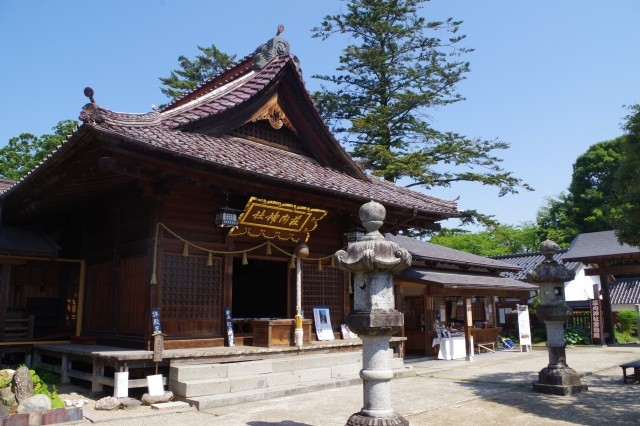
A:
(372, 215)
(549, 248)
(280, 30)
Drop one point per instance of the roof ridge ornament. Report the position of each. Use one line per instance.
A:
(90, 113)
(276, 46)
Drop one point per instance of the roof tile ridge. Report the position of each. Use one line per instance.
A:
(227, 86)
(236, 64)
(95, 114)
(416, 194)
(40, 164)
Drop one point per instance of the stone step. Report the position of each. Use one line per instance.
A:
(205, 402)
(286, 377)
(212, 401)
(183, 373)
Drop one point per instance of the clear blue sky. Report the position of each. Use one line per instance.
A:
(549, 77)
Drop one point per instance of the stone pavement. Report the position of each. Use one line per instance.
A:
(494, 388)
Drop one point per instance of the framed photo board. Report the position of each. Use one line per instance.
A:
(322, 321)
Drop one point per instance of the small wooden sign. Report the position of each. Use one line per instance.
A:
(158, 346)
(272, 219)
(229, 322)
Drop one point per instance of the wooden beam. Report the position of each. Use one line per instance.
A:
(613, 270)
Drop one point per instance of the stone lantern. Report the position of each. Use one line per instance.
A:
(373, 260)
(557, 378)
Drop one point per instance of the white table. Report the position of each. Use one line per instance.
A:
(451, 347)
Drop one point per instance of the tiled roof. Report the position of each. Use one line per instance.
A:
(528, 261)
(5, 184)
(466, 281)
(429, 251)
(625, 291)
(244, 156)
(25, 242)
(594, 245)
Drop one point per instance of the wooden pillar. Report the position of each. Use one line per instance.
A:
(606, 305)
(81, 285)
(467, 329)
(98, 373)
(4, 296)
(227, 287)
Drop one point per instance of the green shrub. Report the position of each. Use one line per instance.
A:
(628, 320)
(577, 335)
(539, 335)
(40, 387)
(623, 337)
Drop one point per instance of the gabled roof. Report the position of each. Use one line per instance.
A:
(528, 261)
(599, 245)
(198, 128)
(433, 252)
(625, 291)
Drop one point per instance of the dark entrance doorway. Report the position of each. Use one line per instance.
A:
(260, 289)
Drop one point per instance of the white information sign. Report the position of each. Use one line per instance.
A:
(524, 327)
(121, 384)
(154, 383)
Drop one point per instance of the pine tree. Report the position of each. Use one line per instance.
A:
(192, 73)
(395, 71)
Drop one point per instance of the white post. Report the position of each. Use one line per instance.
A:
(299, 332)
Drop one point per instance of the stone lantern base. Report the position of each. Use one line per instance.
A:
(559, 381)
(359, 419)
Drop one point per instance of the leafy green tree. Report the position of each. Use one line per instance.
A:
(502, 239)
(554, 222)
(627, 221)
(192, 73)
(24, 152)
(592, 200)
(396, 69)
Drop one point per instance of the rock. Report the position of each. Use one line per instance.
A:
(22, 386)
(129, 403)
(35, 404)
(6, 375)
(107, 403)
(148, 399)
(7, 397)
(4, 412)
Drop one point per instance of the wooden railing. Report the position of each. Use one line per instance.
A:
(18, 329)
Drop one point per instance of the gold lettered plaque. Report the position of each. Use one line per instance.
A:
(273, 219)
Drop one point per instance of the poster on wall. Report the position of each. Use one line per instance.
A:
(524, 327)
(322, 322)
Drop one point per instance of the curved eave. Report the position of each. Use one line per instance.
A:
(171, 155)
